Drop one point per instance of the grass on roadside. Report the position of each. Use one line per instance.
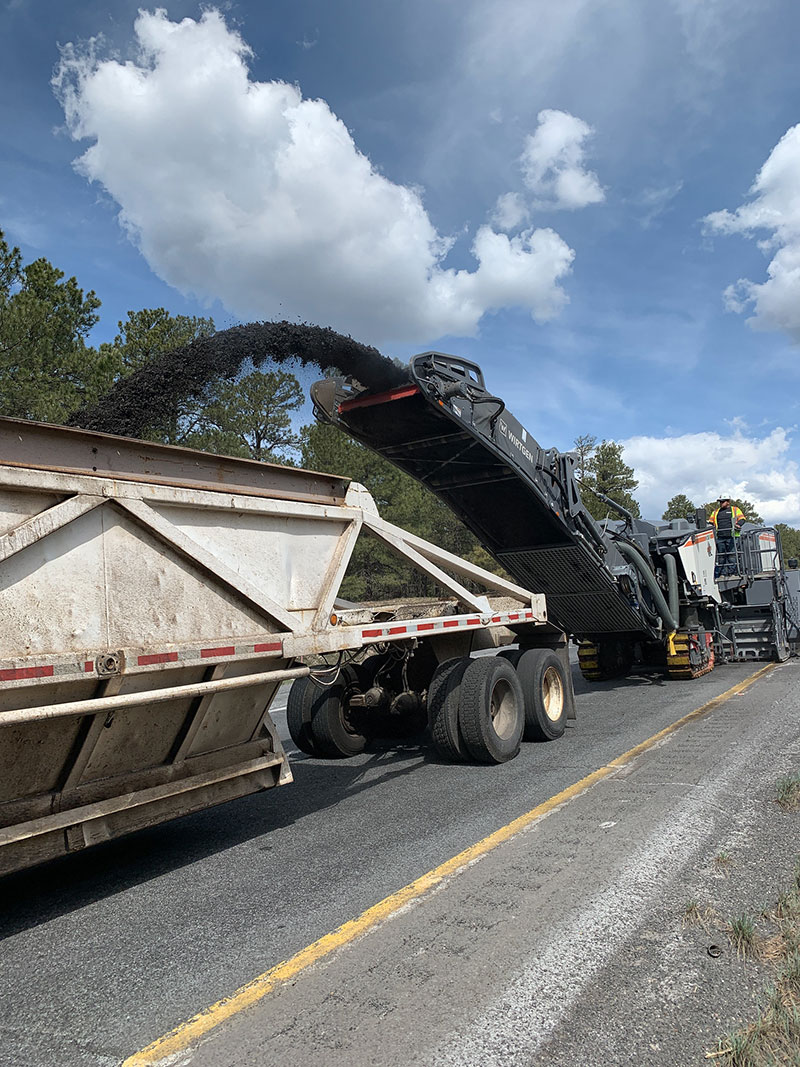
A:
(773, 1040)
(743, 936)
(788, 792)
(696, 915)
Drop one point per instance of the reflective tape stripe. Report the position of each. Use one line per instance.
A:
(432, 625)
(13, 674)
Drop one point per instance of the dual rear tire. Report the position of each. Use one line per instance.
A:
(541, 675)
(319, 718)
(478, 709)
(482, 708)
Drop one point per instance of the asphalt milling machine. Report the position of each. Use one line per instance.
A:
(629, 591)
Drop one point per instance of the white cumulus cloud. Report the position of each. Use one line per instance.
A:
(774, 211)
(510, 211)
(553, 162)
(703, 465)
(553, 172)
(244, 191)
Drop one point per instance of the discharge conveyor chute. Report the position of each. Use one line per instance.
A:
(522, 503)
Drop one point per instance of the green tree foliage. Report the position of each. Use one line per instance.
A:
(46, 368)
(790, 540)
(147, 334)
(748, 510)
(608, 473)
(678, 507)
(47, 371)
(584, 446)
(376, 572)
(249, 417)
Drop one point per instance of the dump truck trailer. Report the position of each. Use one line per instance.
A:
(152, 601)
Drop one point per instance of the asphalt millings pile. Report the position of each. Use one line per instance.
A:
(154, 395)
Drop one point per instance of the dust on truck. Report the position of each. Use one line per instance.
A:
(152, 601)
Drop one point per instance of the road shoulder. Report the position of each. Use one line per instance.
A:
(570, 935)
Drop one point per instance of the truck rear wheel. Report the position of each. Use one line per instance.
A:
(491, 710)
(333, 732)
(443, 698)
(541, 676)
(299, 706)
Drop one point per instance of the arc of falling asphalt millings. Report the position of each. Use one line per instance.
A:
(153, 394)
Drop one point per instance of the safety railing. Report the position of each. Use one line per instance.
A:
(755, 552)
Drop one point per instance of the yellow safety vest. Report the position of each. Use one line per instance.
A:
(737, 516)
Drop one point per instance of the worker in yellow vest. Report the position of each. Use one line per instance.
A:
(727, 520)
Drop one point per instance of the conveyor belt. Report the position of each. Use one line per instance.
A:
(483, 464)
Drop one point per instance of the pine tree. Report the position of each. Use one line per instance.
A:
(607, 473)
(46, 368)
(584, 446)
(250, 416)
(790, 540)
(679, 507)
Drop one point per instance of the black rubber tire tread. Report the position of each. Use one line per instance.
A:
(531, 668)
(475, 715)
(512, 655)
(443, 697)
(331, 736)
(298, 714)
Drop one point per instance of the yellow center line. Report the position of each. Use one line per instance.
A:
(189, 1032)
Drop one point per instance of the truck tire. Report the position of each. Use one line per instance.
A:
(333, 733)
(443, 698)
(544, 686)
(298, 714)
(491, 711)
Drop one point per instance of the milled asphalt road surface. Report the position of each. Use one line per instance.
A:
(561, 946)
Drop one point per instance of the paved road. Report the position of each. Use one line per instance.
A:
(107, 950)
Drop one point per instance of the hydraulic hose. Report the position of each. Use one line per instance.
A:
(652, 616)
(672, 585)
(620, 510)
(662, 607)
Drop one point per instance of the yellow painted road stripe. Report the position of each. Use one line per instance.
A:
(189, 1032)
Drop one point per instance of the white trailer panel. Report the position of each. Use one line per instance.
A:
(152, 599)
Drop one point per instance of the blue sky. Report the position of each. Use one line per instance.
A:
(599, 202)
